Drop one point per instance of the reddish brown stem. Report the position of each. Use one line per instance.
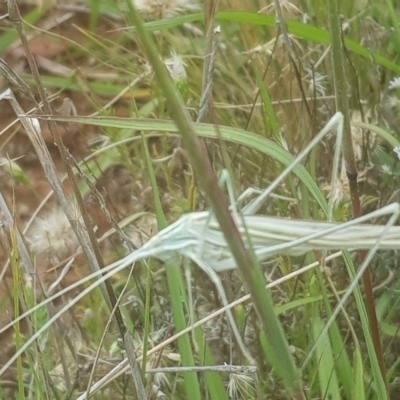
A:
(367, 281)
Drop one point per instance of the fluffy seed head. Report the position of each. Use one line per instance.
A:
(176, 67)
(394, 83)
(287, 7)
(241, 386)
(159, 9)
(316, 83)
(340, 190)
(51, 236)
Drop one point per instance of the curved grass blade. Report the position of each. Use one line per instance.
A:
(234, 135)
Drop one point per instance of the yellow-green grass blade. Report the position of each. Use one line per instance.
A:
(176, 290)
(325, 359)
(358, 392)
(380, 387)
(234, 135)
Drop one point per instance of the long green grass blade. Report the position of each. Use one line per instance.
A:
(176, 290)
(328, 383)
(358, 392)
(229, 134)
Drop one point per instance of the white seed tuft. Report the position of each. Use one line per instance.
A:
(176, 66)
(51, 236)
(159, 9)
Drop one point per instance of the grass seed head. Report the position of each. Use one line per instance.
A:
(340, 191)
(176, 66)
(51, 236)
(167, 358)
(316, 83)
(177, 69)
(394, 83)
(288, 9)
(141, 230)
(241, 386)
(160, 9)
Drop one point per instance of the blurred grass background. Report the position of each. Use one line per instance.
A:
(91, 61)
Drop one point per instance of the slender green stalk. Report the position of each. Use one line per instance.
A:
(342, 105)
(174, 279)
(248, 268)
(147, 315)
(16, 268)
